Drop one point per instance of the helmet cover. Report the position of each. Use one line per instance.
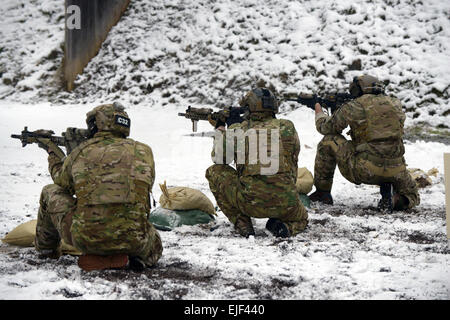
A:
(365, 84)
(260, 100)
(110, 117)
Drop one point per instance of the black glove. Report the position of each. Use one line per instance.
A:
(234, 117)
(219, 123)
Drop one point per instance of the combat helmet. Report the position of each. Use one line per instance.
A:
(109, 117)
(365, 84)
(260, 100)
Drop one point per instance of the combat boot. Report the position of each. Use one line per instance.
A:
(244, 226)
(385, 204)
(400, 202)
(277, 228)
(49, 253)
(321, 196)
(136, 264)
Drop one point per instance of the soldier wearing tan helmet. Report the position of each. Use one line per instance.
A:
(374, 155)
(247, 191)
(100, 200)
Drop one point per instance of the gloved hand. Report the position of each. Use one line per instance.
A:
(50, 147)
(44, 132)
(44, 142)
(234, 117)
(212, 121)
(219, 122)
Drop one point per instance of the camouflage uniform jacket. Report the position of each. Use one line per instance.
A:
(289, 146)
(276, 192)
(111, 178)
(376, 123)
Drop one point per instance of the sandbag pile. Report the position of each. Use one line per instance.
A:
(166, 219)
(184, 198)
(305, 180)
(181, 206)
(421, 177)
(304, 185)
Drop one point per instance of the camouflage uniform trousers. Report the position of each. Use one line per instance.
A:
(251, 197)
(55, 214)
(335, 149)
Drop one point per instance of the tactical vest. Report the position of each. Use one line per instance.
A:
(105, 170)
(382, 121)
(260, 157)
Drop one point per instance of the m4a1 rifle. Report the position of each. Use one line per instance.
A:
(69, 139)
(227, 116)
(331, 102)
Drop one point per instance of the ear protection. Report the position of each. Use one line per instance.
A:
(355, 88)
(267, 102)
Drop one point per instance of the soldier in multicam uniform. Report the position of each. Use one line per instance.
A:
(375, 153)
(245, 192)
(111, 177)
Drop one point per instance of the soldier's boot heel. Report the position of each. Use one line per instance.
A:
(136, 264)
(400, 202)
(277, 228)
(321, 196)
(244, 226)
(386, 204)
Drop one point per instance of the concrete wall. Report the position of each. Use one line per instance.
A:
(81, 45)
(447, 190)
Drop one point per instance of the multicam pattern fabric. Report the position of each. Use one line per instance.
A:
(105, 119)
(111, 178)
(246, 192)
(376, 123)
(56, 208)
(375, 153)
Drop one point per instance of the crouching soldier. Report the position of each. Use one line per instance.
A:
(374, 155)
(111, 177)
(259, 187)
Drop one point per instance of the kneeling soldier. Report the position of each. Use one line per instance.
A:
(111, 177)
(375, 153)
(257, 188)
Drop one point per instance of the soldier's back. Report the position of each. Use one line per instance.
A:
(112, 178)
(376, 123)
(275, 142)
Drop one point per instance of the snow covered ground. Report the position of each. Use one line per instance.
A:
(349, 251)
(165, 55)
(190, 51)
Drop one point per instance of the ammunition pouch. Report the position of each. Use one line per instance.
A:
(382, 167)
